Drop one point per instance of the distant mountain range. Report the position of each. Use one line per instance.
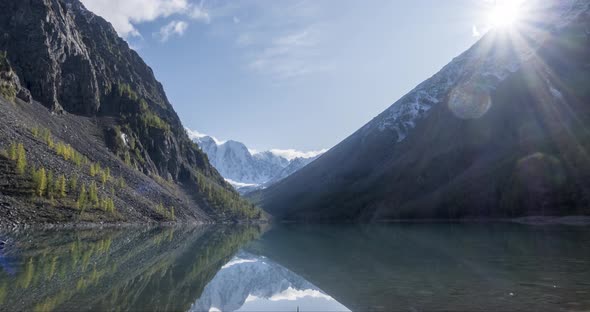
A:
(501, 131)
(246, 170)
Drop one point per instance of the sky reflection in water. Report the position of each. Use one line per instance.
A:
(433, 267)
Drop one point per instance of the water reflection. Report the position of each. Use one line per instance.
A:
(401, 267)
(256, 283)
(161, 269)
(439, 267)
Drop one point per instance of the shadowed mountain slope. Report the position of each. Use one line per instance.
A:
(501, 131)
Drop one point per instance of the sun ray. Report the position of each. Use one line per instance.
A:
(505, 13)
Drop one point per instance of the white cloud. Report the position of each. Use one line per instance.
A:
(173, 28)
(287, 56)
(294, 40)
(280, 39)
(194, 134)
(475, 31)
(125, 14)
(292, 153)
(199, 14)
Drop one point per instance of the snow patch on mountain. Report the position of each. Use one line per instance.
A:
(292, 294)
(291, 154)
(477, 71)
(194, 135)
(238, 185)
(247, 170)
(236, 261)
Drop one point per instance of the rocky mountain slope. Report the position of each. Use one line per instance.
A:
(245, 170)
(501, 131)
(80, 104)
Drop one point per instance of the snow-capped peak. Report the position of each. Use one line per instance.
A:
(247, 170)
(291, 154)
(194, 135)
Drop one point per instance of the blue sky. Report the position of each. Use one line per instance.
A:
(300, 74)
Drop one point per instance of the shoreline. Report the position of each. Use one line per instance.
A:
(529, 220)
(103, 225)
(580, 220)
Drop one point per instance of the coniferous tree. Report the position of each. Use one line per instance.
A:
(35, 132)
(50, 184)
(40, 181)
(21, 159)
(81, 202)
(105, 175)
(61, 186)
(46, 134)
(93, 194)
(121, 183)
(92, 170)
(111, 207)
(12, 153)
(73, 184)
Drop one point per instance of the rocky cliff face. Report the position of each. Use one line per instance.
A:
(74, 64)
(10, 86)
(72, 60)
(68, 57)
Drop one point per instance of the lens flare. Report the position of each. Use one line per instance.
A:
(504, 14)
(469, 101)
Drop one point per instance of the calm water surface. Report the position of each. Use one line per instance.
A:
(402, 267)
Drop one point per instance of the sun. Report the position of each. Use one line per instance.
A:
(504, 14)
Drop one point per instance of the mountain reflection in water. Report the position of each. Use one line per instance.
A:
(256, 283)
(399, 267)
(140, 269)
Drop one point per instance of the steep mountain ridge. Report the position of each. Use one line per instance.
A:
(477, 71)
(72, 60)
(74, 64)
(493, 134)
(245, 170)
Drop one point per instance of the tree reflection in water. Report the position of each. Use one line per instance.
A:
(130, 269)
